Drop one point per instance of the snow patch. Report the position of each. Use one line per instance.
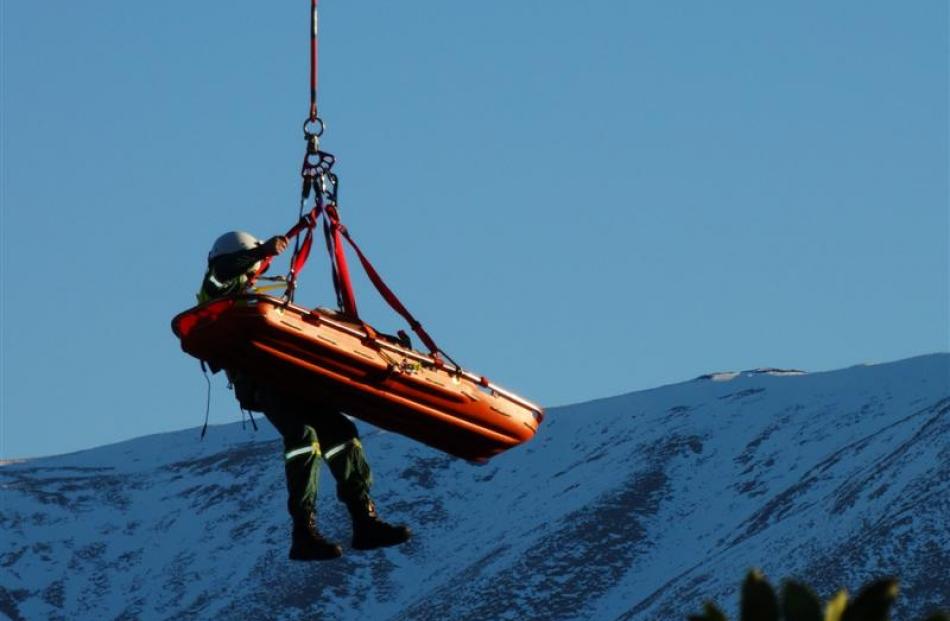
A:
(632, 508)
(719, 376)
(728, 376)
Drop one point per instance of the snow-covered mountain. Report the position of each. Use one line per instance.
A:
(635, 507)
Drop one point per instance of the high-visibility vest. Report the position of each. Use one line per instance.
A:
(212, 288)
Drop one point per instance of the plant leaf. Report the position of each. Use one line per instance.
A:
(758, 599)
(873, 603)
(799, 603)
(713, 613)
(836, 606)
(710, 613)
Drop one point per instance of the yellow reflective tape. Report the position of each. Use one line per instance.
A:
(282, 285)
(339, 447)
(313, 449)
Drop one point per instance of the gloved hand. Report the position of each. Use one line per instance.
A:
(275, 245)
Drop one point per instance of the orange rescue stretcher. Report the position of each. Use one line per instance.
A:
(324, 357)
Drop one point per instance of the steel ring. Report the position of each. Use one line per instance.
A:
(318, 122)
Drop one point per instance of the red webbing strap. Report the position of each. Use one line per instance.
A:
(306, 222)
(264, 264)
(346, 286)
(384, 290)
(334, 276)
(299, 259)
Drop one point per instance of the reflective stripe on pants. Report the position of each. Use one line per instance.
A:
(339, 447)
(312, 449)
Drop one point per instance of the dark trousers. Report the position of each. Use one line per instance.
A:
(311, 435)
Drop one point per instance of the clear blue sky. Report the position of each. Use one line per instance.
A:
(577, 199)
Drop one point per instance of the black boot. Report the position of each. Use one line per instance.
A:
(370, 532)
(308, 544)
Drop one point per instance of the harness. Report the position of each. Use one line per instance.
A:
(212, 288)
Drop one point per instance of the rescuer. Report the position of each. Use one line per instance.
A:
(310, 434)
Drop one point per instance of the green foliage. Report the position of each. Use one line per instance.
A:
(799, 603)
(873, 602)
(758, 598)
(836, 606)
(710, 613)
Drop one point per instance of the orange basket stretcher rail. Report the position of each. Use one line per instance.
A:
(323, 358)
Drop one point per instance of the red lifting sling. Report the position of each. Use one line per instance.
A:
(327, 357)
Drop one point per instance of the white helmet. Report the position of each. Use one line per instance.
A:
(233, 241)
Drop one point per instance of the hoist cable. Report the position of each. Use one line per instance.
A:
(314, 27)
